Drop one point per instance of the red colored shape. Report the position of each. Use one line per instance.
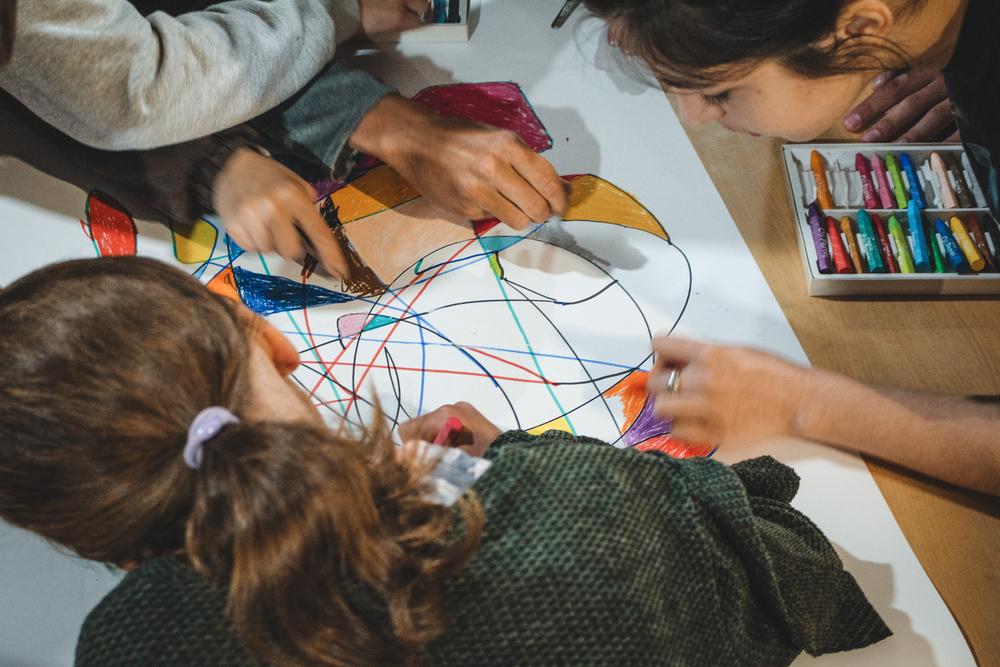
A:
(111, 228)
(498, 103)
(452, 427)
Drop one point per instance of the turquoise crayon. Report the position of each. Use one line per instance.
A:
(955, 256)
(897, 180)
(916, 193)
(921, 252)
(869, 243)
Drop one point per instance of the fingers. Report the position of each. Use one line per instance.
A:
(544, 180)
(890, 88)
(672, 351)
(914, 95)
(323, 245)
(937, 121)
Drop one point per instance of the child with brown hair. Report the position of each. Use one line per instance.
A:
(155, 429)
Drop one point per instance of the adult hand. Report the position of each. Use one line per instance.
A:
(905, 107)
(726, 394)
(470, 170)
(266, 207)
(476, 436)
(387, 16)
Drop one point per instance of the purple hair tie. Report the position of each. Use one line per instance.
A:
(205, 426)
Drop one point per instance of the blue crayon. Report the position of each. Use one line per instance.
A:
(955, 255)
(921, 251)
(916, 192)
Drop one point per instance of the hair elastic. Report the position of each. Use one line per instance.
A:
(206, 425)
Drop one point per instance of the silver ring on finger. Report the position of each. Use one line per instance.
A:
(673, 381)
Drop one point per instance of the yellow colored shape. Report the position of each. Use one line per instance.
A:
(596, 200)
(559, 424)
(224, 284)
(195, 244)
(380, 189)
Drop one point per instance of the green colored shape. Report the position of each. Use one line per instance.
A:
(495, 265)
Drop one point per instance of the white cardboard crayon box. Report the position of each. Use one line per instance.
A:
(458, 31)
(846, 187)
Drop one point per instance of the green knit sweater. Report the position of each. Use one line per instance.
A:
(591, 556)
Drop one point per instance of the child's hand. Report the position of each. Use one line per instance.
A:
(478, 434)
(470, 170)
(387, 16)
(266, 207)
(905, 107)
(727, 395)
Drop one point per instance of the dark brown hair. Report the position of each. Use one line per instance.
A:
(105, 364)
(8, 27)
(698, 43)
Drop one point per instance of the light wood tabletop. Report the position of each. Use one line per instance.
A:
(936, 344)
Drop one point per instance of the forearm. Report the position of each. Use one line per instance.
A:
(948, 437)
(113, 79)
(318, 123)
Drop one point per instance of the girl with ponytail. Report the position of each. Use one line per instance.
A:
(155, 428)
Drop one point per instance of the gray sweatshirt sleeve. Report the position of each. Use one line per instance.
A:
(111, 78)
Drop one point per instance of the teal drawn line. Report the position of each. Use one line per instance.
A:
(531, 350)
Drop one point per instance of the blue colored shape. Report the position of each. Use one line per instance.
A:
(266, 295)
(232, 248)
(498, 243)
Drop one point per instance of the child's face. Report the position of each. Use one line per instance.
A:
(771, 100)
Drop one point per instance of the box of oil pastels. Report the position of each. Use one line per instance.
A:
(891, 219)
(444, 21)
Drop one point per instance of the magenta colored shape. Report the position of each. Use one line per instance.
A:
(498, 103)
(647, 425)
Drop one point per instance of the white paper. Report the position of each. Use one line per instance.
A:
(603, 123)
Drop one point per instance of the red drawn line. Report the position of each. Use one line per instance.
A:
(514, 364)
(399, 321)
(446, 371)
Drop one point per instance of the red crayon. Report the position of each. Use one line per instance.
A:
(883, 243)
(867, 187)
(841, 260)
(979, 238)
(451, 428)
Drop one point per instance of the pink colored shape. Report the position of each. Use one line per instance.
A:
(351, 325)
(111, 228)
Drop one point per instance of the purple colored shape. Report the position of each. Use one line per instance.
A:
(646, 425)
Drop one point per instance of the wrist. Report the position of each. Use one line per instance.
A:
(818, 400)
(388, 129)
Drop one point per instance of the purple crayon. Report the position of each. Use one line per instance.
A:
(816, 224)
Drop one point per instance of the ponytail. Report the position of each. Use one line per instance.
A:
(292, 519)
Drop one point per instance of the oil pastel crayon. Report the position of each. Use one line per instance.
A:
(823, 196)
(948, 198)
(857, 260)
(823, 262)
(841, 262)
(884, 189)
(867, 186)
(938, 264)
(903, 254)
(916, 192)
(869, 243)
(951, 249)
(965, 244)
(897, 180)
(962, 190)
(976, 231)
(891, 265)
(921, 252)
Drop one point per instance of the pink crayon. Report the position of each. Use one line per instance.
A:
(867, 187)
(884, 189)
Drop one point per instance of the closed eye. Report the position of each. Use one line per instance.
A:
(717, 99)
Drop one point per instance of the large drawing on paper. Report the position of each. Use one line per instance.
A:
(537, 332)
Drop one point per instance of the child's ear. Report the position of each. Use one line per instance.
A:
(283, 354)
(863, 18)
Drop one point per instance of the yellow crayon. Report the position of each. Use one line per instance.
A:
(847, 227)
(965, 242)
(903, 253)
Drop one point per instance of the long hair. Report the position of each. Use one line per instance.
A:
(698, 43)
(8, 27)
(106, 363)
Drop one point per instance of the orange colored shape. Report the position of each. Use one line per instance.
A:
(111, 228)
(224, 284)
(631, 391)
(674, 447)
(380, 189)
(595, 199)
